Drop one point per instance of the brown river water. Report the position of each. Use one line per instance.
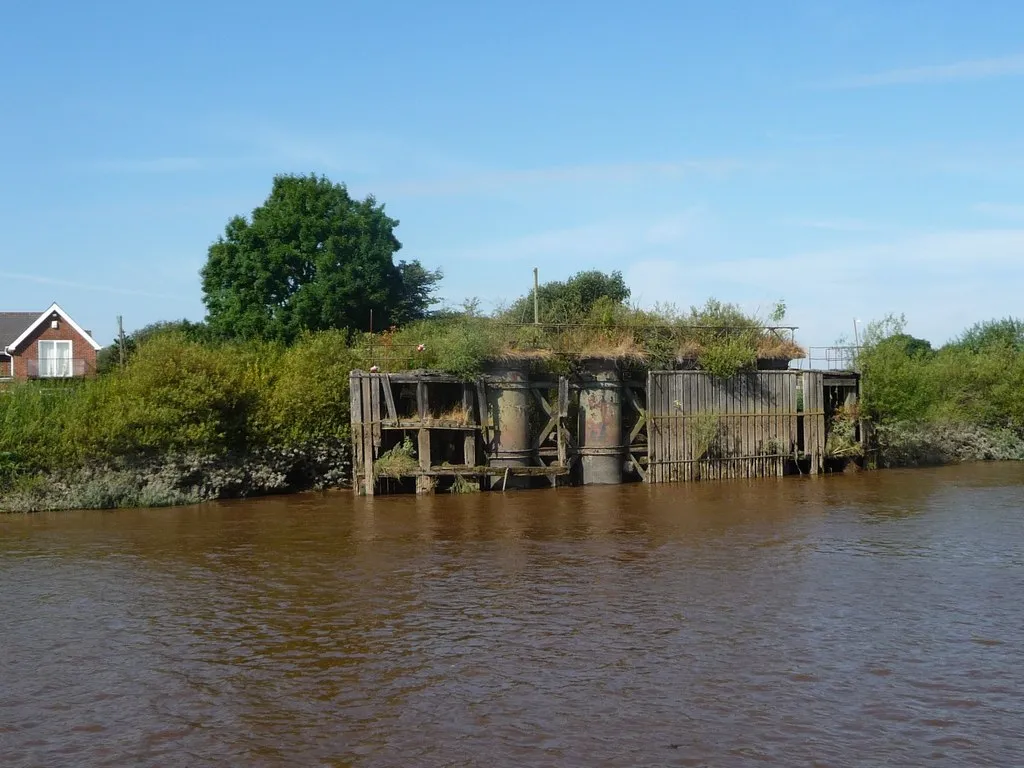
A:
(862, 620)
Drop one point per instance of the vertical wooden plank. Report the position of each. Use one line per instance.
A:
(722, 396)
(725, 448)
(664, 426)
(650, 429)
(424, 484)
(810, 422)
(469, 439)
(691, 394)
(698, 394)
(654, 428)
(674, 412)
(678, 440)
(755, 423)
(375, 386)
(367, 435)
(389, 397)
(682, 442)
(422, 400)
(481, 404)
(355, 396)
(794, 424)
(818, 388)
(743, 404)
(782, 420)
(752, 409)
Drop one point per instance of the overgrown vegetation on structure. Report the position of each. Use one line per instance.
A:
(716, 337)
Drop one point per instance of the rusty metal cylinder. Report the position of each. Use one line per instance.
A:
(601, 448)
(508, 404)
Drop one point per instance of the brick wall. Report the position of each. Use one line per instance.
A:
(29, 349)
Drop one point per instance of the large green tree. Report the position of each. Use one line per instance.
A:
(311, 258)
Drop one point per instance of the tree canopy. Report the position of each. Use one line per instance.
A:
(311, 258)
(1007, 332)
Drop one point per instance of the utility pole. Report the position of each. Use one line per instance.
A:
(536, 298)
(120, 340)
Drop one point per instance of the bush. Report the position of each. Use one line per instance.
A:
(969, 381)
(176, 394)
(309, 396)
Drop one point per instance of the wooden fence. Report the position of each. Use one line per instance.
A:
(702, 427)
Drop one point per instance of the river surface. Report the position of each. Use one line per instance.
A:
(857, 620)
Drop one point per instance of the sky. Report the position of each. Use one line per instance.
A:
(851, 159)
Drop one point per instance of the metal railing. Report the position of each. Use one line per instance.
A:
(839, 358)
(57, 368)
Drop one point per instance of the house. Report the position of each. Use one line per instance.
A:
(47, 345)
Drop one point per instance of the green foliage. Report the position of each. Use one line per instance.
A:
(398, 461)
(311, 258)
(977, 379)
(180, 395)
(728, 356)
(842, 442)
(457, 344)
(462, 486)
(993, 334)
(572, 300)
(309, 398)
(33, 426)
(702, 432)
(109, 358)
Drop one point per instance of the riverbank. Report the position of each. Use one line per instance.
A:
(183, 478)
(923, 445)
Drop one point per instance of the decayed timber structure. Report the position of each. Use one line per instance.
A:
(513, 429)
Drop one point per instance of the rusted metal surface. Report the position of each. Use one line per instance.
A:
(601, 447)
(508, 406)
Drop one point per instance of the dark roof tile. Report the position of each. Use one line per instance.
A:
(13, 324)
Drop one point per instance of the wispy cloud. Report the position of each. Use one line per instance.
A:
(595, 242)
(958, 277)
(80, 286)
(960, 71)
(613, 173)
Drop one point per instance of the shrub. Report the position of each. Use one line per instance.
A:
(309, 395)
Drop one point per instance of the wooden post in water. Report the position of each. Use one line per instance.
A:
(424, 483)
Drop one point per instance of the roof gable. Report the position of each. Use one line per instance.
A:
(40, 319)
(13, 323)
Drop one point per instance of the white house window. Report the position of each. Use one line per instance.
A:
(55, 359)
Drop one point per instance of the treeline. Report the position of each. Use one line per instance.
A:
(961, 401)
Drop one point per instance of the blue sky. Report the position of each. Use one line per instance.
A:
(853, 159)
